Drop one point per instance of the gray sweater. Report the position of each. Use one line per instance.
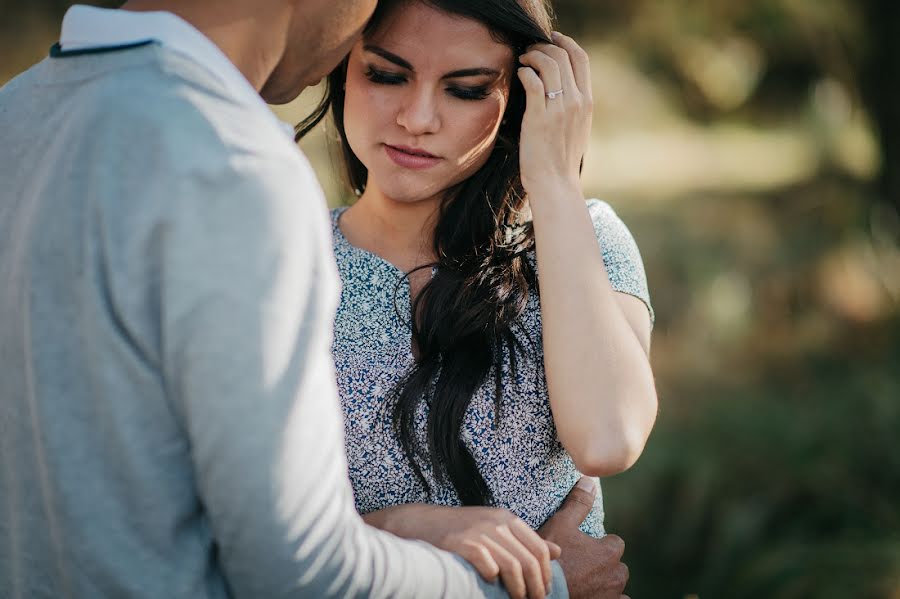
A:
(168, 416)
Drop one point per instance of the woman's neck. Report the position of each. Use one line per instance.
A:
(400, 232)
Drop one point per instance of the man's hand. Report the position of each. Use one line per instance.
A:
(593, 567)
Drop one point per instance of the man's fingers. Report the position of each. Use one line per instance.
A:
(614, 545)
(622, 576)
(576, 507)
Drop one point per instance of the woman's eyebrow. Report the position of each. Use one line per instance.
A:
(400, 62)
(472, 73)
(389, 56)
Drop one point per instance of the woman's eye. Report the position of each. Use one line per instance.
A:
(469, 93)
(383, 77)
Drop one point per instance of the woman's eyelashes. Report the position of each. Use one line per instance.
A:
(380, 77)
(383, 77)
(469, 93)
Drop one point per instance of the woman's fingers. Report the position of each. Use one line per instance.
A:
(511, 571)
(537, 546)
(535, 101)
(481, 559)
(555, 550)
(532, 570)
(547, 68)
(498, 543)
(580, 62)
(564, 63)
(521, 558)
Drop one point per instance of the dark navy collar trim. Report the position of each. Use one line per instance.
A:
(56, 50)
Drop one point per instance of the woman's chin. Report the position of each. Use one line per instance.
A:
(411, 193)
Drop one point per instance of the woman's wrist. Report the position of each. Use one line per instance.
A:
(386, 519)
(548, 203)
(551, 193)
(409, 521)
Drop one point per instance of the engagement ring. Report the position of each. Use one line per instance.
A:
(554, 95)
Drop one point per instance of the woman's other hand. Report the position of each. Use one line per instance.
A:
(557, 122)
(493, 540)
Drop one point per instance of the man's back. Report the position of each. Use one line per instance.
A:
(86, 414)
(169, 424)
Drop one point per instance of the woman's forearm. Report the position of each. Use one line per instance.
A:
(599, 379)
(420, 521)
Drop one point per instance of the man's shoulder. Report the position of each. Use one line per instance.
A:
(156, 128)
(151, 95)
(189, 107)
(155, 99)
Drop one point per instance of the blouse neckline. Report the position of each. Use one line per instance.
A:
(343, 241)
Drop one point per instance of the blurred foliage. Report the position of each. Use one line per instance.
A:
(774, 469)
(767, 48)
(743, 142)
(786, 489)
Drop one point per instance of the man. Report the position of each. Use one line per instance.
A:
(168, 417)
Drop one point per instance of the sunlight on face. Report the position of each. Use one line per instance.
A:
(425, 97)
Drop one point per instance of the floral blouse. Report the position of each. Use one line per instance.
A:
(521, 459)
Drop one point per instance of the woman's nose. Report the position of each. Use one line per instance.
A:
(419, 113)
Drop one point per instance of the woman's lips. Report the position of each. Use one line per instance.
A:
(410, 158)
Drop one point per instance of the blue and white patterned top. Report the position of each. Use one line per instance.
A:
(521, 460)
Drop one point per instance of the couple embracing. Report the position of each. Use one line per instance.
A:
(174, 307)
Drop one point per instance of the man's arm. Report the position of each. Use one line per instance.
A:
(247, 291)
(593, 567)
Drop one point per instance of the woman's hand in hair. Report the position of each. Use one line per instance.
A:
(556, 127)
(587, 325)
(493, 540)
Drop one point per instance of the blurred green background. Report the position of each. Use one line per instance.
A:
(753, 147)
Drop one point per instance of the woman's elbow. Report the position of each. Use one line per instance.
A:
(607, 459)
(612, 452)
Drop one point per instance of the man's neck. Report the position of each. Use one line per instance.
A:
(253, 38)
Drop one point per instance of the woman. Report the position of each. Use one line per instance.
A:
(466, 379)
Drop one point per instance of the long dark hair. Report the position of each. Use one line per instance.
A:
(465, 316)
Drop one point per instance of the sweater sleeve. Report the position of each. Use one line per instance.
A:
(247, 290)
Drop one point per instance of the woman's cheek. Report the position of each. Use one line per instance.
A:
(480, 136)
(359, 111)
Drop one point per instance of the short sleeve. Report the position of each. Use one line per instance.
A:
(621, 255)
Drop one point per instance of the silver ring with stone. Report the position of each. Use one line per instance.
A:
(554, 95)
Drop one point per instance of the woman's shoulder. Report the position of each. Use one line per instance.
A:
(611, 231)
(621, 256)
(336, 214)
(338, 239)
(598, 206)
(607, 223)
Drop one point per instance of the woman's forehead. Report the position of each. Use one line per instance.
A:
(423, 34)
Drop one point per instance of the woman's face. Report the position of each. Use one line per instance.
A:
(425, 96)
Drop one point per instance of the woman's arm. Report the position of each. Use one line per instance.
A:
(493, 540)
(596, 340)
